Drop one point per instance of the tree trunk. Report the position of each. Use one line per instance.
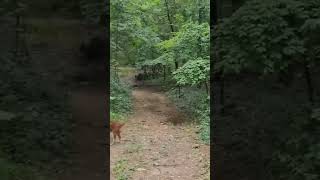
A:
(222, 94)
(199, 21)
(207, 87)
(153, 72)
(176, 64)
(168, 16)
(164, 73)
(17, 38)
(310, 89)
(171, 27)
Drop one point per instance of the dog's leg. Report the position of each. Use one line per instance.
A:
(119, 136)
(114, 136)
(111, 143)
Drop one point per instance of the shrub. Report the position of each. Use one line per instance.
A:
(39, 131)
(195, 103)
(120, 99)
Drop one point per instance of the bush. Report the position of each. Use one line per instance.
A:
(298, 156)
(120, 99)
(195, 103)
(264, 36)
(193, 72)
(38, 133)
(11, 171)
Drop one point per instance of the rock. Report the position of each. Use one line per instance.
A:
(196, 146)
(141, 169)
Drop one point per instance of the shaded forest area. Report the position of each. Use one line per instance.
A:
(167, 43)
(47, 49)
(160, 84)
(266, 90)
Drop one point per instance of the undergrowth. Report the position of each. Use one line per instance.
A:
(121, 170)
(298, 156)
(120, 100)
(36, 134)
(13, 171)
(196, 103)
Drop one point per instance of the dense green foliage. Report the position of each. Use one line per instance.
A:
(277, 38)
(165, 39)
(120, 99)
(94, 11)
(193, 72)
(266, 37)
(190, 42)
(35, 118)
(298, 156)
(11, 171)
(37, 130)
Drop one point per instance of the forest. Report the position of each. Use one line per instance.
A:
(262, 86)
(168, 46)
(44, 52)
(159, 53)
(266, 95)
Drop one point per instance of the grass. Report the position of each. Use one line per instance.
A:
(134, 148)
(121, 170)
(118, 117)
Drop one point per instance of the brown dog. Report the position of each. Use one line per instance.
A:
(115, 129)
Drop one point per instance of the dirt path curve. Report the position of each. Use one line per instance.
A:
(89, 146)
(154, 146)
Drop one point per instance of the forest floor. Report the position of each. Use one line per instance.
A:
(157, 143)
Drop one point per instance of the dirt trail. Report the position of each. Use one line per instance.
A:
(89, 147)
(155, 145)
